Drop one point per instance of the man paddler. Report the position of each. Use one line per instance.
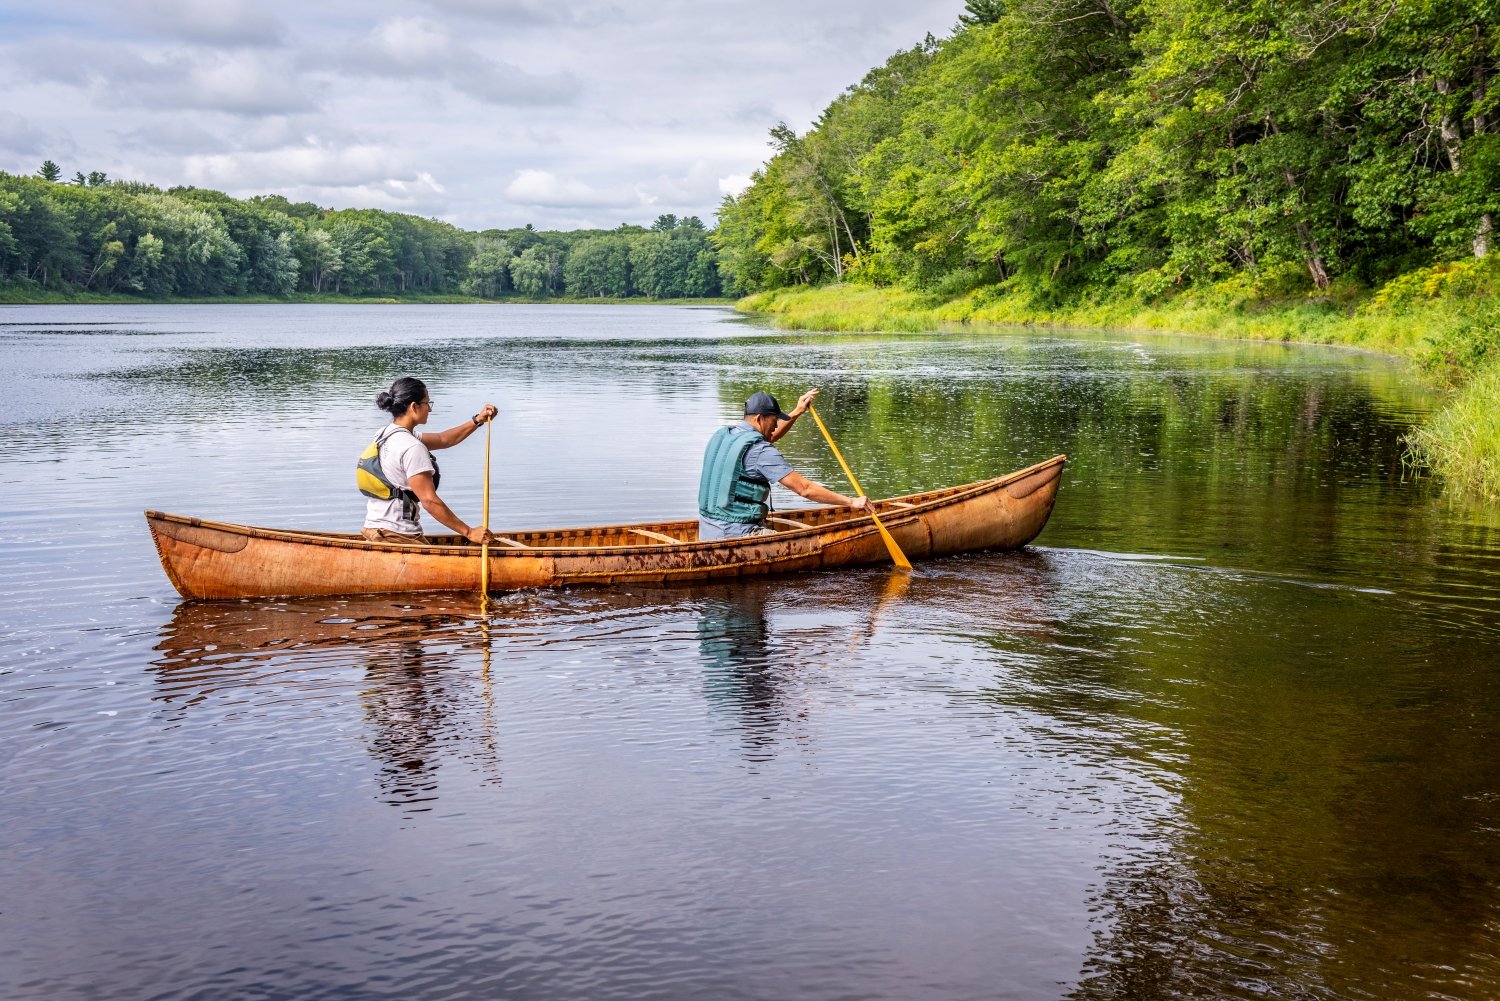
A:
(740, 464)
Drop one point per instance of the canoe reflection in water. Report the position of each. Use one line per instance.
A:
(423, 658)
(411, 673)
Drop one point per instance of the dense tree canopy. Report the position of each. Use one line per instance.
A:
(97, 235)
(1067, 148)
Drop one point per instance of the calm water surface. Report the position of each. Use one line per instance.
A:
(1228, 730)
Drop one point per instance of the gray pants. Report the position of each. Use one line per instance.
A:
(711, 530)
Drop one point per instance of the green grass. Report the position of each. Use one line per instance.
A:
(1463, 439)
(850, 308)
(1445, 319)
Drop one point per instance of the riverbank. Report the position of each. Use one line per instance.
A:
(1446, 320)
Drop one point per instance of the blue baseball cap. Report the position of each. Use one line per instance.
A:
(764, 403)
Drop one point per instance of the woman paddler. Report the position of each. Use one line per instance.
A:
(398, 473)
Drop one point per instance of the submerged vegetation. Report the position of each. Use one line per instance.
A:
(1322, 171)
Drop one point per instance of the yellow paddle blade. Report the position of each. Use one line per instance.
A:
(897, 556)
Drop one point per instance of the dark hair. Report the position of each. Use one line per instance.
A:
(404, 392)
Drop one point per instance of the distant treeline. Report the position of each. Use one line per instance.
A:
(92, 234)
(1064, 149)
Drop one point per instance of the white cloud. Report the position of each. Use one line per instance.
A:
(510, 12)
(405, 45)
(540, 188)
(418, 195)
(172, 134)
(733, 184)
(233, 80)
(414, 47)
(69, 63)
(343, 167)
(19, 137)
(211, 22)
(238, 82)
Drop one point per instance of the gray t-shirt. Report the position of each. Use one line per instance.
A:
(402, 456)
(762, 462)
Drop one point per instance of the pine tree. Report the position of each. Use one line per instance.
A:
(981, 12)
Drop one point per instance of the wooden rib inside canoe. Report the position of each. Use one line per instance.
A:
(218, 560)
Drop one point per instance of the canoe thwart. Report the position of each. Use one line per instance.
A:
(656, 536)
(788, 521)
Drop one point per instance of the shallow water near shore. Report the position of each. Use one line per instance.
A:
(1228, 729)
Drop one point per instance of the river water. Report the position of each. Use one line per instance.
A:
(1227, 730)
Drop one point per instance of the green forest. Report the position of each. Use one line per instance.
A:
(1318, 170)
(91, 235)
(1066, 148)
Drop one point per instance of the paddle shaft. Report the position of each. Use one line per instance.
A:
(897, 556)
(484, 549)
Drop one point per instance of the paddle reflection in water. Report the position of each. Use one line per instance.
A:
(418, 695)
(408, 699)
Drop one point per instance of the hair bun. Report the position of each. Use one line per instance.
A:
(383, 400)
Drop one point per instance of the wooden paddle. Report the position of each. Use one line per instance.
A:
(897, 556)
(484, 550)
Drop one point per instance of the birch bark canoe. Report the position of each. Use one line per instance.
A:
(211, 560)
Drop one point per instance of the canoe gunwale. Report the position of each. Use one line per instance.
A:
(920, 504)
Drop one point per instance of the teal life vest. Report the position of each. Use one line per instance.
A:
(725, 491)
(372, 481)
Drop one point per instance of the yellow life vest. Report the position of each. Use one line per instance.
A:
(370, 477)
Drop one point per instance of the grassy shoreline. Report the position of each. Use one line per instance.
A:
(1449, 331)
(1451, 334)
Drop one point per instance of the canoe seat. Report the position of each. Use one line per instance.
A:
(900, 504)
(788, 521)
(512, 543)
(656, 536)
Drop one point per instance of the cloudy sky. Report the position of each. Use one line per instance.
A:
(481, 112)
